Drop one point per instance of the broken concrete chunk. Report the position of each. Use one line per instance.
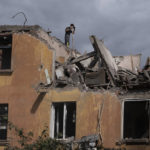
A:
(59, 72)
(131, 62)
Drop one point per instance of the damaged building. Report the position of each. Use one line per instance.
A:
(79, 97)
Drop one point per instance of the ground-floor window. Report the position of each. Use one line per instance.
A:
(3, 121)
(136, 119)
(63, 120)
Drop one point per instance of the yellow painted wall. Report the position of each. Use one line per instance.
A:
(88, 106)
(87, 112)
(2, 147)
(31, 110)
(26, 108)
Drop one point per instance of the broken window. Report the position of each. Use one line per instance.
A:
(5, 52)
(3, 121)
(63, 120)
(136, 122)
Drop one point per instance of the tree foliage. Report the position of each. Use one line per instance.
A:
(26, 142)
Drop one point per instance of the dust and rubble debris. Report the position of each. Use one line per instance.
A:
(88, 142)
(91, 71)
(99, 69)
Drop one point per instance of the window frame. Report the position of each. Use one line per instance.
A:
(52, 119)
(5, 141)
(132, 140)
(9, 70)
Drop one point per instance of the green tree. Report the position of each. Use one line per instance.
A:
(26, 142)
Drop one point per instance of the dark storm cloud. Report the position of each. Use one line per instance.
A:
(123, 24)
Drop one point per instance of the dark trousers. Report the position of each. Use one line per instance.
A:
(67, 39)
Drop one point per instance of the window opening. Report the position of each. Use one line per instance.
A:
(5, 52)
(3, 121)
(136, 119)
(63, 120)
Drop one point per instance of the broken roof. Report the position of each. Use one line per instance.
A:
(18, 28)
(102, 71)
(109, 73)
(35, 30)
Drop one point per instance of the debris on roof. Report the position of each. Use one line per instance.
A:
(103, 70)
(147, 65)
(131, 62)
(94, 70)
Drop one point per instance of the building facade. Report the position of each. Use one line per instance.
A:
(30, 101)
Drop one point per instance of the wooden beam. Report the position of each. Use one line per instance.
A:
(83, 57)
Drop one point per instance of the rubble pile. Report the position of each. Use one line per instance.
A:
(99, 69)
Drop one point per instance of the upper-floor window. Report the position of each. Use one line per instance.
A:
(136, 120)
(5, 52)
(3, 121)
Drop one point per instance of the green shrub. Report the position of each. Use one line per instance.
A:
(26, 142)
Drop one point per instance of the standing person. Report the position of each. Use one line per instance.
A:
(72, 27)
(68, 31)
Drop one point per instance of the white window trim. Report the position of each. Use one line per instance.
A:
(52, 120)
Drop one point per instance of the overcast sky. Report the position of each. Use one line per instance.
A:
(124, 25)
